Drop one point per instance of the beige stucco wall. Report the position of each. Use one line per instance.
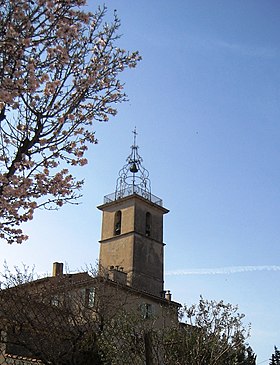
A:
(114, 299)
(117, 252)
(140, 254)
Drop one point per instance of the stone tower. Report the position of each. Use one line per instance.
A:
(132, 229)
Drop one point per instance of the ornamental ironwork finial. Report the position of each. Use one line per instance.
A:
(133, 177)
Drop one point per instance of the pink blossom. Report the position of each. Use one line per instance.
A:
(58, 79)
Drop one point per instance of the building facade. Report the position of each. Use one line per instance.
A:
(130, 277)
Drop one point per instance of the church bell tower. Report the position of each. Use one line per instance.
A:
(132, 228)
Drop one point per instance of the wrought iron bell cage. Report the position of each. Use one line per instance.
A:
(133, 179)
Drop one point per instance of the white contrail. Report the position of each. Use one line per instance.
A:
(223, 270)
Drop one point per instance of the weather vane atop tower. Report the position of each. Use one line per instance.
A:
(135, 134)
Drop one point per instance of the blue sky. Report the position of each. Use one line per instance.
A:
(205, 101)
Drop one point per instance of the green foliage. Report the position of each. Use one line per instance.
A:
(213, 334)
(275, 358)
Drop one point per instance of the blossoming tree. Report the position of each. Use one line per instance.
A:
(59, 72)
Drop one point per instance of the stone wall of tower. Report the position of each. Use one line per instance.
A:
(108, 219)
(117, 252)
(147, 265)
(141, 208)
(138, 246)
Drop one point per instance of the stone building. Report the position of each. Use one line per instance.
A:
(130, 274)
(132, 229)
(131, 245)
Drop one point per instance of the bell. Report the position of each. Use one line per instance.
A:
(133, 168)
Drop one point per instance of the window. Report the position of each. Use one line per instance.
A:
(118, 222)
(89, 297)
(148, 224)
(147, 310)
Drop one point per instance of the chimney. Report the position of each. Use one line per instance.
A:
(168, 295)
(57, 268)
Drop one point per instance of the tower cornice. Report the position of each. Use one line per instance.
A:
(127, 234)
(112, 203)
